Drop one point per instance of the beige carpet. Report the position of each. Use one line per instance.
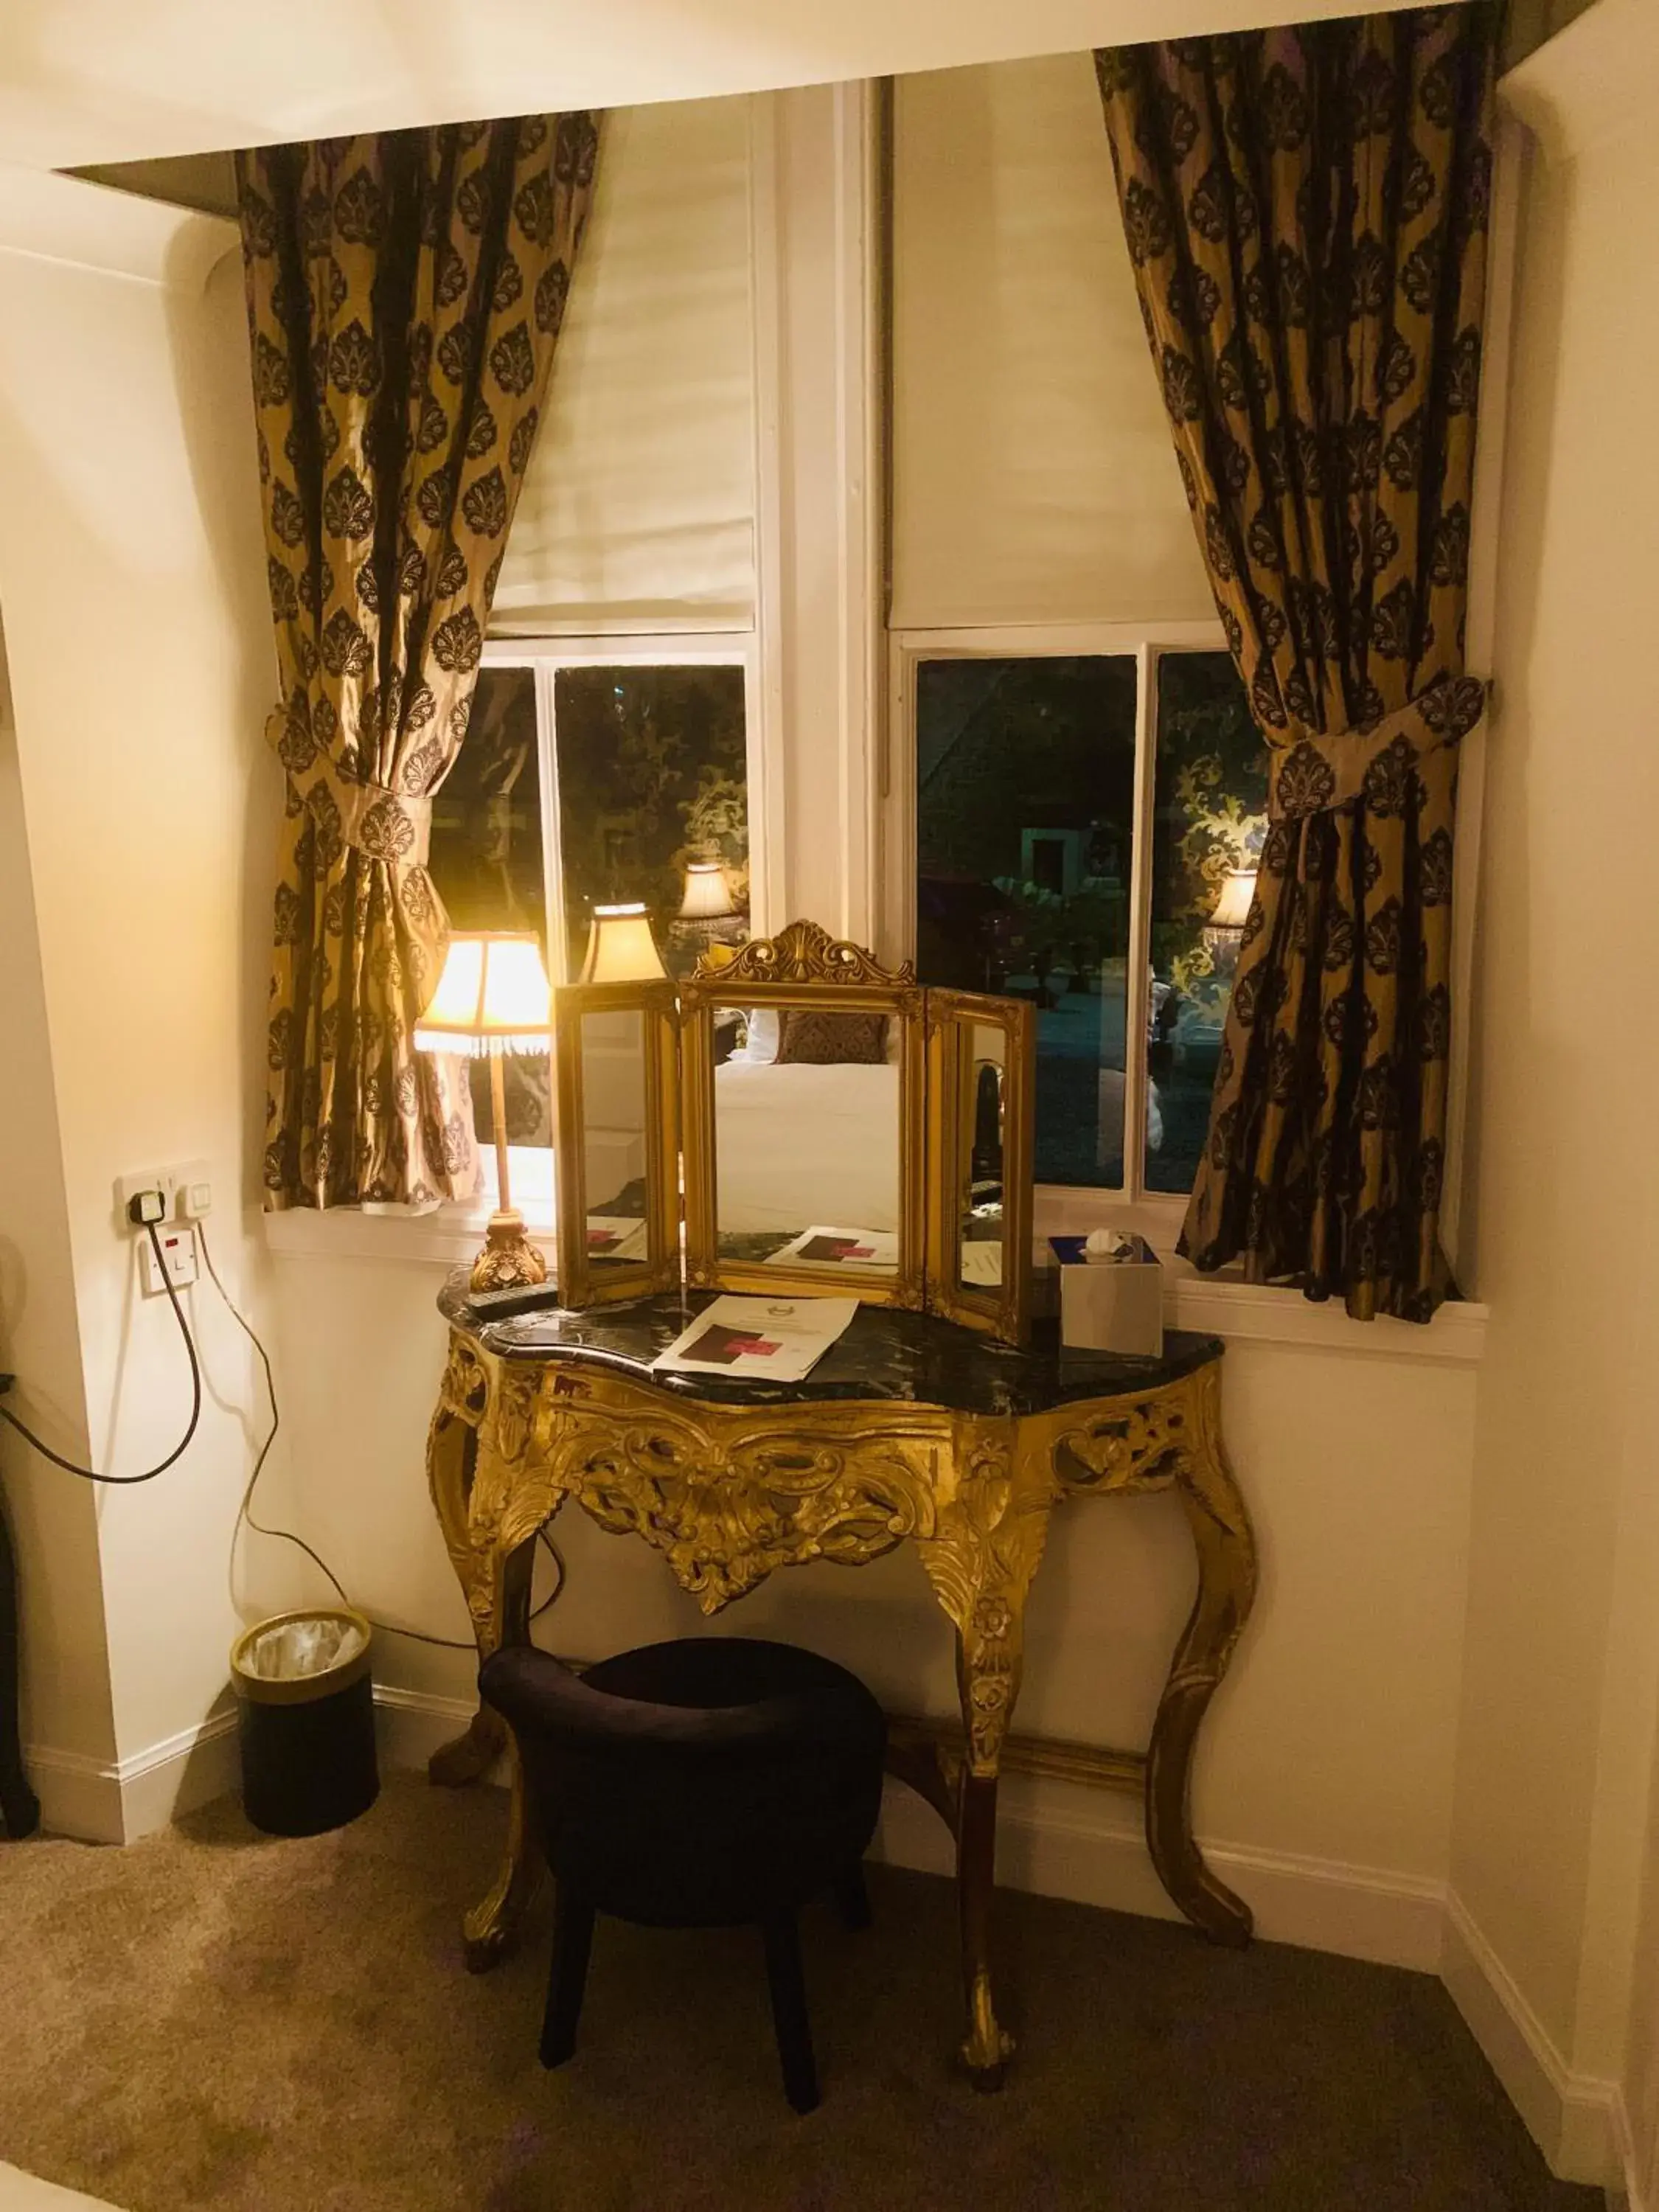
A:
(217, 2019)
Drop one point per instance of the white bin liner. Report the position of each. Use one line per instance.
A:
(289, 1650)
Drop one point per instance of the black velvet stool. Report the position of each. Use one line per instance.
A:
(710, 1781)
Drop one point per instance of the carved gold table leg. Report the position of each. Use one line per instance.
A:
(451, 1456)
(1226, 1590)
(986, 1543)
(493, 1926)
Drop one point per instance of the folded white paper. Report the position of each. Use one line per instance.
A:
(758, 1339)
(616, 1237)
(837, 1249)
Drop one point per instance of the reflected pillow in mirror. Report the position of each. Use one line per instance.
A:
(825, 1040)
(763, 1026)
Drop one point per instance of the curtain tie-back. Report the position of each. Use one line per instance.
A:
(1313, 771)
(395, 826)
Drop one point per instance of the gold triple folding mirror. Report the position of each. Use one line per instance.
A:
(840, 1130)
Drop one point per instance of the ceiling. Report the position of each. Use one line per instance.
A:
(97, 82)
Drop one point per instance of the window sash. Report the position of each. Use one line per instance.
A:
(1156, 1213)
(545, 657)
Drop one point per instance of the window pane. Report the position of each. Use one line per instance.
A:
(1024, 820)
(487, 862)
(651, 768)
(1211, 814)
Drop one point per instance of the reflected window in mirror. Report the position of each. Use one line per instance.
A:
(985, 1110)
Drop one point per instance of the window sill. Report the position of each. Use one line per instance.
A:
(1239, 1312)
(449, 1236)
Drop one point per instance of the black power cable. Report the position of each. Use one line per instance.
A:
(286, 1535)
(245, 1512)
(91, 1475)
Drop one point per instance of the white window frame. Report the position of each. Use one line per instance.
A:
(546, 656)
(1156, 1215)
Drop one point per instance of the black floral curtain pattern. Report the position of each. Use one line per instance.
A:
(1306, 210)
(405, 292)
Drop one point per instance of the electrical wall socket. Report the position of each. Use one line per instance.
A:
(179, 1185)
(178, 1244)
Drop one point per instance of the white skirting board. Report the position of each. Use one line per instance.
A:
(1578, 2121)
(1055, 1839)
(118, 1801)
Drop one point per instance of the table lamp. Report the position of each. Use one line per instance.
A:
(493, 999)
(621, 948)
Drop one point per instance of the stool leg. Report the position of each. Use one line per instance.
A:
(789, 2020)
(572, 1938)
(853, 1899)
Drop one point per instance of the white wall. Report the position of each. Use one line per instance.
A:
(132, 592)
(66, 1700)
(1555, 1751)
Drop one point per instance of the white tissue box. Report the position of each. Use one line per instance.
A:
(1111, 1305)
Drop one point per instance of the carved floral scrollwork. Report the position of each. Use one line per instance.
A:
(804, 952)
(728, 1501)
(465, 1391)
(987, 1546)
(1145, 1445)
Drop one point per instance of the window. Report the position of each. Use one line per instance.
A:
(1025, 780)
(593, 772)
(1086, 830)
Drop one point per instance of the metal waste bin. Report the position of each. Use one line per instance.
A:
(307, 1703)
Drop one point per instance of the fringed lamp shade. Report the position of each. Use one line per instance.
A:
(492, 996)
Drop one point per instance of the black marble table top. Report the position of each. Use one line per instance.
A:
(884, 1354)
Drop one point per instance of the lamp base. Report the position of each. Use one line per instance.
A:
(508, 1258)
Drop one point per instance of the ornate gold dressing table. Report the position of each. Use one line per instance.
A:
(910, 1430)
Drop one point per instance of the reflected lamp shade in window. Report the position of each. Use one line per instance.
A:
(621, 948)
(1232, 906)
(493, 998)
(707, 894)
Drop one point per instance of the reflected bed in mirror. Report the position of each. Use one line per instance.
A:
(807, 1136)
(804, 1121)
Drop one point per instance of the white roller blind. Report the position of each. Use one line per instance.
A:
(638, 510)
(1034, 476)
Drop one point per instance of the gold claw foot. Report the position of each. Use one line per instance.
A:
(988, 2048)
(468, 1757)
(491, 1929)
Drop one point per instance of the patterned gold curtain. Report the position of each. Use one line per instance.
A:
(404, 297)
(1306, 210)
